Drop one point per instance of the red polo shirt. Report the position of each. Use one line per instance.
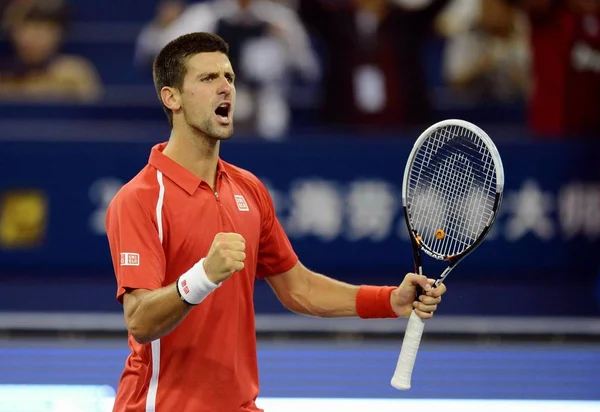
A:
(159, 225)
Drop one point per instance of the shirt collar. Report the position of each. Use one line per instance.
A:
(177, 173)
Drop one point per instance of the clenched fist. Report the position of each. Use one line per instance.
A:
(403, 298)
(225, 257)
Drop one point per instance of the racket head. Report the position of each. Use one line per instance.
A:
(452, 189)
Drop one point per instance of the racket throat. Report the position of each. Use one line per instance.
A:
(443, 276)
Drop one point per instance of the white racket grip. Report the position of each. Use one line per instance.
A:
(408, 354)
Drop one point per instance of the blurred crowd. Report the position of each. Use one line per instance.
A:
(359, 64)
(36, 68)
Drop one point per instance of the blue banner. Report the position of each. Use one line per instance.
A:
(339, 201)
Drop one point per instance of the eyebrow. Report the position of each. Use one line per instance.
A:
(213, 74)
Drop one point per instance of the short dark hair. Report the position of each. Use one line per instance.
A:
(170, 65)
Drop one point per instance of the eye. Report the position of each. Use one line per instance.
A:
(209, 77)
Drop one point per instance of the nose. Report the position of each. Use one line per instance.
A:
(224, 86)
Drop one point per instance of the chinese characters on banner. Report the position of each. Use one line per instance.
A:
(371, 209)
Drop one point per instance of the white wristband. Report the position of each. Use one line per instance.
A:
(194, 286)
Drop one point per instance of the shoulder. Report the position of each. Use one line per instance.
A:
(241, 176)
(249, 181)
(140, 193)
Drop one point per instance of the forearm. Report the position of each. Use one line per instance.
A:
(157, 313)
(324, 297)
(306, 292)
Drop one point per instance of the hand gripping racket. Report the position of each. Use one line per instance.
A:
(451, 194)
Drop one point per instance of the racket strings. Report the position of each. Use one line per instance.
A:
(457, 170)
(452, 188)
(472, 202)
(442, 186)
(461, 173)
(484, 203)
(458, 205)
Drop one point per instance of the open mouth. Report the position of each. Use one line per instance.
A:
(222, 112)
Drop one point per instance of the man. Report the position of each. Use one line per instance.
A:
(188, 236)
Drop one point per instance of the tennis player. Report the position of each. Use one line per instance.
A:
(188, 237)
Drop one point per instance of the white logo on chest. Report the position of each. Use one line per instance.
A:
(241, 203)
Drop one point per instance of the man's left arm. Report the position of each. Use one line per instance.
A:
(306, 292)
(309, 293)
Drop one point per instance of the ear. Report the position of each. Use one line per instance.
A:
(171, 97)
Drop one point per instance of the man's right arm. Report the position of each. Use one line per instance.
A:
(139, 262)
(152, 314)
(152, 309)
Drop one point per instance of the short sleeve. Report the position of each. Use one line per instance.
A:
(137, 254)
(275, 252)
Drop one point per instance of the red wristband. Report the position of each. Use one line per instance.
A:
(373, 302)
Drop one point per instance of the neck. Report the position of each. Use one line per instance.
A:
(196, 152)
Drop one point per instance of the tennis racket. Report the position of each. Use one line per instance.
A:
(451, 193)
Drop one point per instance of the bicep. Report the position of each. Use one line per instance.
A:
(138, 257)
(275, 253)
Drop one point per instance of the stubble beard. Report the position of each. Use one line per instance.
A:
(215, 132)
(212, 131)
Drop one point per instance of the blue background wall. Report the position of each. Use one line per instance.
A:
(541, 258)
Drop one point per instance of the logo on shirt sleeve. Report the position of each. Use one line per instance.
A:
(130, 259)
(241, 203)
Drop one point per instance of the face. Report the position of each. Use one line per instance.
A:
(207, 98)
(36, 42)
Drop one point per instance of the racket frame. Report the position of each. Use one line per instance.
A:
(415, 239)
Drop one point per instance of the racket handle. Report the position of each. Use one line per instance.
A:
(420, 292)
(408, 354)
